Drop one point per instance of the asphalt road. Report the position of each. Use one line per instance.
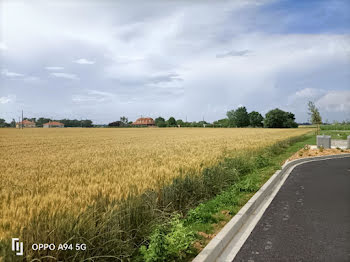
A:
(309, 218)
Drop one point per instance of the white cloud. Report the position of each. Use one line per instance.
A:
(7, 99)
(335, 101)
(54, 68)
(8, 73)
(31, 78)
(65, 75)
(93, 96)
(233, 53)
(84, 61)
(100, 93)
(3, 46)
(308, 93)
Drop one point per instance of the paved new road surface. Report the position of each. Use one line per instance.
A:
(308, 220)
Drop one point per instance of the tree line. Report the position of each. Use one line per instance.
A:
(275, 118)
(42, 120)
(172, 122)
(240, 117)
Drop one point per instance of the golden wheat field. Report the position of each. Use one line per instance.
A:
(63, 169)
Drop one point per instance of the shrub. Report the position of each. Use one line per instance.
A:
(169, 242)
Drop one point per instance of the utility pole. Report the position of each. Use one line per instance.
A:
(22, 119)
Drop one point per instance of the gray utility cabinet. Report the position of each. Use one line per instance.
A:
(324, 141)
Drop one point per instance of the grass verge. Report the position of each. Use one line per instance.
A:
(335, 127)
(336, 134)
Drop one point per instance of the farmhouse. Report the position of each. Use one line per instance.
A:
(25, 123)
(53, 124)
(144, 121)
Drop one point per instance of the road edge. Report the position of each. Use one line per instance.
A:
(214, 248)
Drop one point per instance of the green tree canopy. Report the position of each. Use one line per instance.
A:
(256, 119)
(239, 117)
(2, 123)
(171, 121)
(124, 120)
(13, 123)
(160, 122)
(231, 116)
(179, 122)
(116, 124)
(41, 121)
(315, 116)
(278, 118)
(222, 122)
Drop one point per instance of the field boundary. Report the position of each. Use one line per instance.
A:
(241, 220)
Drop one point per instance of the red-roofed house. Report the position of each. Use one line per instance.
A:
(144, 121)
(25, 123)
(53, 124)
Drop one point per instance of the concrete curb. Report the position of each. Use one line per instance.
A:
(215, 247)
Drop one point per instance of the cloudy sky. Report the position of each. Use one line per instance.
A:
(102, 59)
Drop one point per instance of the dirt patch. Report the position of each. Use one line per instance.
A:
(307, 152)
(205, 235)
(198, 246)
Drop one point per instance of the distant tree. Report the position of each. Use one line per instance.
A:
(231, 118)
(275, 118)
(41, 121)
(2, 123)
(180, 123)
(159, 119)
(291, 120)
(195, 124)
(222, 122)
(239, 117)
(86, 123)
(76, 123)
(160, 122)
(124, 120)
(115, 124)
(202, 124)
(256, 119)
(13, 123)
(171, 121)
(278, 118)
(71, 123)
(315, 115)
(30, 119)
(122, 123)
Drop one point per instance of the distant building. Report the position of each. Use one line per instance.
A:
(144, 121)
(25, 123)
(53, 124)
